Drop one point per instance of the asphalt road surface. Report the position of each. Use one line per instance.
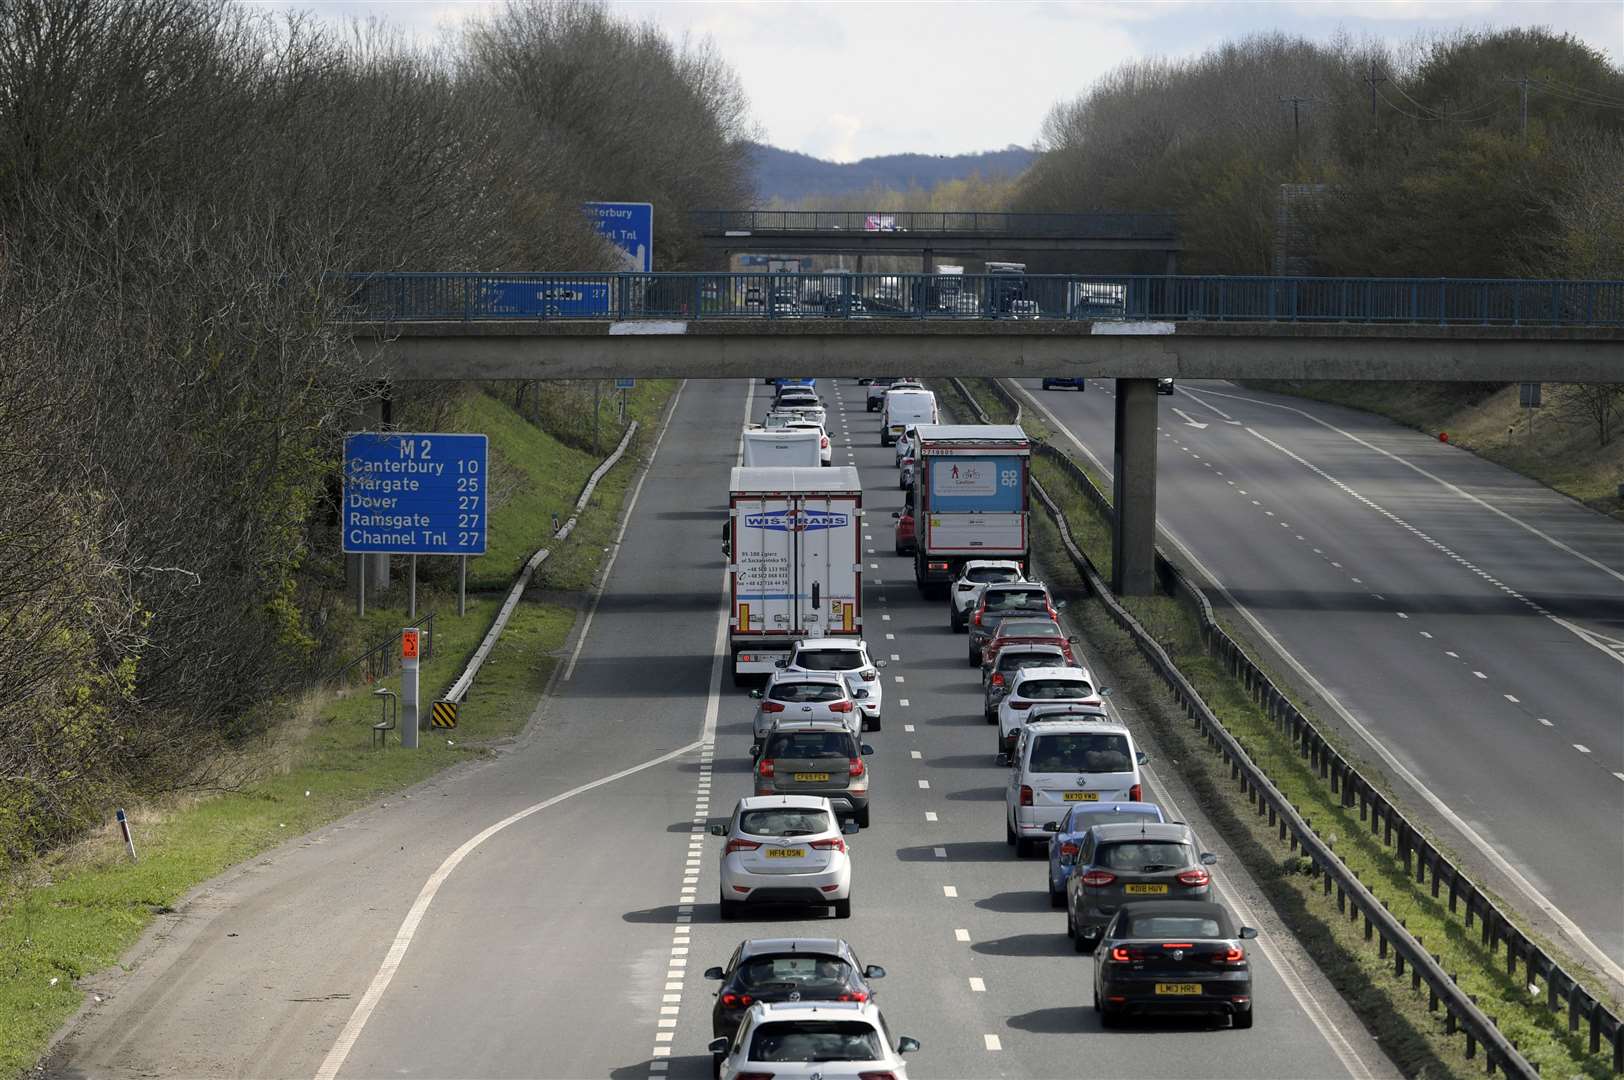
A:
(549, 913)
(1469, 619)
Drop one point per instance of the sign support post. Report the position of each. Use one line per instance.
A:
(462, 586)
(411, 589)
(360, 586)
(408, 687)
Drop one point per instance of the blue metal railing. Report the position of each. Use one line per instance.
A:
(391, 297)
(1101, 226)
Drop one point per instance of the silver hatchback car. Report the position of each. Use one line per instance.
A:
(1119, 863)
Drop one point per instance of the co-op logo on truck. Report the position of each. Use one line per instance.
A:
(796, 520)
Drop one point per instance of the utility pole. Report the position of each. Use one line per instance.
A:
(1522, 87)
(1296, 121)
(1373, 79)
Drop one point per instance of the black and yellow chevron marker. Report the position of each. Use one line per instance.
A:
(444, 714)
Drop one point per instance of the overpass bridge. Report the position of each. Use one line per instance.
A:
(928, 234)
(1134, 329)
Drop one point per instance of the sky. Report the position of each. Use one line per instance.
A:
(844, 81)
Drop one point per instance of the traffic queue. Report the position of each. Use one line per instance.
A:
(1135, 886)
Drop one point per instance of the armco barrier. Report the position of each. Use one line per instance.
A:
(1460, 1011)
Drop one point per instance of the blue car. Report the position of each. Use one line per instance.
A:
(781, 383)
(1079, 819)
(1079, 383)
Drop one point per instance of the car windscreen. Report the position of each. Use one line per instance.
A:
(1011, 599)
(1055, 689)
(1028, 628)
(816, 1040)
(784, 821)
(989, 574)
(1173, 926)
(1148, 855)
(1008, 661)
(1086, 817)
(809, 974)
(811, 744)
(829, 659)
(1080, 752)
(807, 691)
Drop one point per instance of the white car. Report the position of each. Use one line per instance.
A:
(829, 1040)
(826, 451)
(849, 658)
(805, 695)
(965, 592)
(785, 849)
(1042, 685)
(1059, 762)
(904, 443)
(807, 411)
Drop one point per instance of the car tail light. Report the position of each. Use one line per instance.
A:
(737, 844)
(771, 706)
(1098, 879)
(1053, 614)
(765, 767)
(1121, 955)
(840, 706)
(737, 1001)
(1136, 794)
(869, 674)
(883, 1074)
(1020, 704)
(1026, 795)
(1194, 878)
(857, 767)
(1068, 849)
(1235, 957)
(833, 843)
(826, 442)
(998, 678)
(977, 617)
(936, 566)
(854, 995)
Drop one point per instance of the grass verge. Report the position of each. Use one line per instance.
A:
(79, 909)
(1410, 1033)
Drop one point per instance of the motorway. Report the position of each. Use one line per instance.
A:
(1470, 620)
(548, 912)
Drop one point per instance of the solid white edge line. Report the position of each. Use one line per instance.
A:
(626, 517)
(1569, 928)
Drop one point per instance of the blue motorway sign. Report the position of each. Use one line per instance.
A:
(630, 225)
(625, 383)
(543, 298)
(415, 493)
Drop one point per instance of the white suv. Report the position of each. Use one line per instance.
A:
(804, 695)
(1042, 685)
(849, 658)
(965, 593)
(832, 1040)
(1059, 762)
(785, 849)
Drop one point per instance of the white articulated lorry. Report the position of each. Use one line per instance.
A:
(795, 562)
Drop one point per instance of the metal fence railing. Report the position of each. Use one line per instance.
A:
(1101, 226)
(391, 297)
(1420, 857)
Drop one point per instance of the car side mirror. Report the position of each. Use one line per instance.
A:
(1059, 604)
(1248, 933)
(874, 971)
(867, 749)
(1072, 639)
(1140, 756)
(713, 973)
(755, 750)
(907, 1044)
(849, 826)
(860, 695)
(1208, 859)
(755, 694)
(719, 1046)
(1003, 759)
(1104, 691)
(718, 830)
(896, 514)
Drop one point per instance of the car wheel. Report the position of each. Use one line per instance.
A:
(1095, 994)
(740, 678)
(729, 909)
(991, 718)
(843, 908)
(975, 656)
(1009, 833)
(1110, 1018)
(1025, 848)
(1057, 900)
(862, 817)
(875, 725)
(1079, 938)
(716, 1066)
(1071, 927)
(899, 550)
(1242, 1020)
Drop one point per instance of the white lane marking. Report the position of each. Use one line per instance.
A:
(1402, 615)
(1620, 775)
(894, 656)
(887, 618)
(939, 852)
(626, 519)
(949, 891)
(992, 1042)
(904, 703)
(961, 935)
(1426, 635)
(1582, 748)
(1513, 699)
(924, 785)
(930, 815)
(915, 754)
(1603, 567)
(899, 678)
(890, 637)
(1209, 405)
(907, 727)
(1452, 655)
(977, 986)
(1546, 722)
(1480, 675)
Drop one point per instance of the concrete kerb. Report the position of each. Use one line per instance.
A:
(459, 689)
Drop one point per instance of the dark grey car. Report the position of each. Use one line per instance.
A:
(1120, 863)
(1011, 660)
(816, 757)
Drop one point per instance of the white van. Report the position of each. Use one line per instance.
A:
(1063, 761)
(795, 447)
(903, 409)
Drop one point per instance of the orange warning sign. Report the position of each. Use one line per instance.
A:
(408, 644)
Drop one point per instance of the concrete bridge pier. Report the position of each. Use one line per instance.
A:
(1133, 489)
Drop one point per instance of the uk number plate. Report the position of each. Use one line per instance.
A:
(1082, 796)
(1178, 988)
(1145, 890)
(811, 776)
(786, 853)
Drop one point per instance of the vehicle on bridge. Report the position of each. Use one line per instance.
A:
(795, 558)
(969, 498)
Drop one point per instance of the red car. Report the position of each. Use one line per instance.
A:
(1036, 630)
(906, 542)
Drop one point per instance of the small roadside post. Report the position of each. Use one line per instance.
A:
(408, 687)
(1529, 399)
(624, 385)
(124, 828)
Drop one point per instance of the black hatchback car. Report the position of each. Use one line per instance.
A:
(786, 969)
(1173, 956)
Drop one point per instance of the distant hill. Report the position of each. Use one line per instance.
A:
(787, 175)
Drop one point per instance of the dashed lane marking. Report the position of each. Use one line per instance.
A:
(930, 815)
(961, 935)
(992, 1042)
(949, 891)
(977, 986)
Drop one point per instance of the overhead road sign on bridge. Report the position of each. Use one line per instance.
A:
(630, 226)
(414, 493)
